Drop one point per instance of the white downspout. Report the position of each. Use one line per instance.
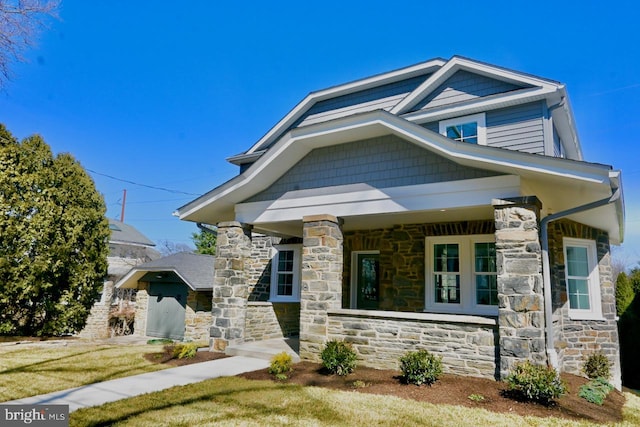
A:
(552, 355)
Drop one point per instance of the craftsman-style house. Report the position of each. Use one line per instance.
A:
(444, 206)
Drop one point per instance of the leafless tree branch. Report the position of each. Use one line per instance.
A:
(20, 23)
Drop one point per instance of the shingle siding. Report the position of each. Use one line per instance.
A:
(463, 86)
(380, 162)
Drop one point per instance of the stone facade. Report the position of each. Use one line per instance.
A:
(230, 287)
(575, 340)
(520, 298)
(402, 259)
(266, 320)
(321, 287)
(197, 317)
(467, 344)
(142, 308)
(97, 326)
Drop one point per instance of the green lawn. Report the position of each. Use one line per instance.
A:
(235, 401)
(27, 370)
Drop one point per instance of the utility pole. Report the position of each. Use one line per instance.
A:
(124, 201)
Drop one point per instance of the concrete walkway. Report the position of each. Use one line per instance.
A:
(109, 391)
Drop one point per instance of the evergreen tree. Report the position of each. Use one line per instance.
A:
(624, 293)
(54, 233)
(205, 242)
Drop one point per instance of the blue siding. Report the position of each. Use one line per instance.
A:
(515, 128)
(380, 162)
(463, 86)
(388, 95)
(518, 128)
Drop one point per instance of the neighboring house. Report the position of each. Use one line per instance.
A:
(444, 206)
(127, 248)
(174, 296)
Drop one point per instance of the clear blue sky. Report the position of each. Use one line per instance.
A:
(160, 93)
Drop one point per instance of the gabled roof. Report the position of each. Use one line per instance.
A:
(126, 234)
(195, 270)
(592, 179)
(435, 72)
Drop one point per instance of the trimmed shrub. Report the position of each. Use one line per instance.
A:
(420, 367)
(595, 391)
(536, 383)
(338, 357)
(281, 365)
(185, 350)
(624, 293)
(597, 365)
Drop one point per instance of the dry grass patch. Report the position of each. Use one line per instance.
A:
(27, 370)
(235, 401)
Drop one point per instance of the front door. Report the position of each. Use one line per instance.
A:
(366, 280)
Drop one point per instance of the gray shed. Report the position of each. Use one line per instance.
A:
(174, 296)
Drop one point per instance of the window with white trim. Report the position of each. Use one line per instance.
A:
(582, 278)
(285, 274)
(461, 274)
(471, 129)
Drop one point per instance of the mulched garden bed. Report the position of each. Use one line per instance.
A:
(455, 390)
(166, 357)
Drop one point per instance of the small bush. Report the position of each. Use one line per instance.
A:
(338, 357)
(281, 365)
(156, 341)
(597, 366)
(536, 383)
(185, 350)
(476, 397)
(595, 391)
(420, 367)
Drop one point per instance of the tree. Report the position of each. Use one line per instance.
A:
(168, 247)
(20, 21)
(205, 241)
(53, 256)
(624, 293)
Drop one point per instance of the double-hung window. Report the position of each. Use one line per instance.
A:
(285, 274)
(461, 274)
(582, 278)
(469, 129)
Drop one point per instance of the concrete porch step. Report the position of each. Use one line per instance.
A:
(266, 349)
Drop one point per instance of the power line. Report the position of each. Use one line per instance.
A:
(142, 185)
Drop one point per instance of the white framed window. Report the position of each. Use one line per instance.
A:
(582, 278)
(471, 129)
(285, 274)
(461, 274)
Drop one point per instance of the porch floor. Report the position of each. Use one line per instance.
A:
(266, 349)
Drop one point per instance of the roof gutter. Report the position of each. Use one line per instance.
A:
(552, 355)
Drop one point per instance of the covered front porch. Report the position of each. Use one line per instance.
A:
(408, 296)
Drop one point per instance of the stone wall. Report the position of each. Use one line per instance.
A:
(230, 286)
(402, 258)
(266, 320)
(467, 347)
(258, 266)
(321, 281)
(520, 299)
(142, 307)
(197, 316)
(97, 326)
(577, 339)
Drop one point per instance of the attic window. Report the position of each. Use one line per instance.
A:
(114, 227)
(469, 129)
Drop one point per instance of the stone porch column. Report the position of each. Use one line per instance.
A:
(520, 295)
(321, 287)
(230, 287)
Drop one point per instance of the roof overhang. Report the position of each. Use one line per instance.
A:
(560, 183)
(131, 279)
